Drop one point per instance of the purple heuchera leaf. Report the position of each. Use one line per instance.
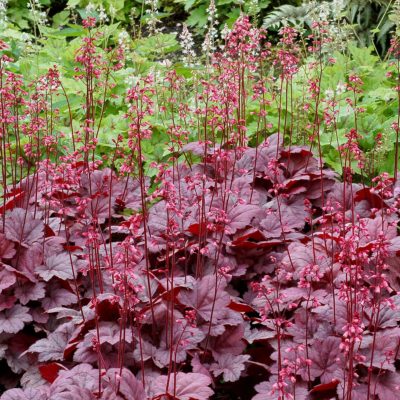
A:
(253, 335)
(300, 329)
(241, 188)
(266, 151)
(28, 260)
(7, 249)
(205, 297)
(299, 159)
(184, 386)
(326, 359)
(383, 348)
(292, 211)
(198, 148)
(158, 218)
(7, 279)
(57, 296)
(6, 301)
(230, 366)
(272, 228)
(122, 386)
(241, 216)
(266, 391)
(386, 385)
(52, 347)
(13, 319)
(53, 245)
(27, 394)
(389, 314)
(146, 352)
(199, 367)
(83, 376)
(229, 342)
(184, 338)
(97, 182)
(128, 192)
(32, 378)
(359, 392)
(58, 265)
(74, 393)
(30, 291)
(99, 208)
(21, 227)
(302, 256)
(109, 332)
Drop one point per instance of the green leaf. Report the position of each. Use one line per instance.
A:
(232, 17)
(162, 43)
(332, 158)
(109, 30)
(70, 31)
(158, 15)
(60, 18)
(73, 3)
(187, 4)
(225, 2)
(363, 55)
(198, 17)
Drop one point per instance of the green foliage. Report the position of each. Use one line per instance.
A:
(371, 21)
(36, 47)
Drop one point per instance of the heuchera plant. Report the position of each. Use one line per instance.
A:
(251, 272)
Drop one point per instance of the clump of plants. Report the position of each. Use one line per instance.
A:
(235, 265)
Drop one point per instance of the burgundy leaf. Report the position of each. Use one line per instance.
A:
(199, 367)
(254, 239)
(326, 388)
(49, 372)
(10, 204)
(389, 315)
(198, 148)
(97, 182)
(374, 199)
(253, 335)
